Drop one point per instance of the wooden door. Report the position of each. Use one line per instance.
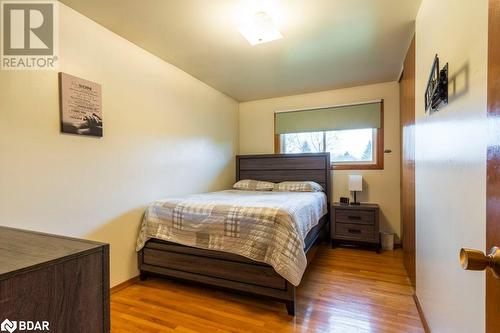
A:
(472, 259)
(407, 119)
(493, 164)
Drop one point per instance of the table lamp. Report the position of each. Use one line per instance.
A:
(355, 185)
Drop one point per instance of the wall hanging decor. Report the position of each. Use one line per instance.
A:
(80, 106)
(436, 93)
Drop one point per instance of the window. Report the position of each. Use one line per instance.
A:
(358, 148)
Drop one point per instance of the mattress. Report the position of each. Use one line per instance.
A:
(268, 227)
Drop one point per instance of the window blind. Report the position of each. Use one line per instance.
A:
(329, 119)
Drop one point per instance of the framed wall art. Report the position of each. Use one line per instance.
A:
(80, 106)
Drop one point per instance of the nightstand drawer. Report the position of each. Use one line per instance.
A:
(354, 216)
(355, 231)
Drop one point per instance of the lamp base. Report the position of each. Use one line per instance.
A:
(355, 202)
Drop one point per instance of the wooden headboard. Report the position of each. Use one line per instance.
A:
(286, 167)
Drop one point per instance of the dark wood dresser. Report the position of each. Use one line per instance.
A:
(356, 225)
(60, 280)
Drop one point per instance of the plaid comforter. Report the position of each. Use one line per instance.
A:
(268, 227)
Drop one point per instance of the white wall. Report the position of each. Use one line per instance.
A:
(451, 164)
(256, 126)
(165, 133)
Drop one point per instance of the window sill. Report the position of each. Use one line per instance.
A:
(343, 166)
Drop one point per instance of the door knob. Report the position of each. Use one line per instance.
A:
(475, 260)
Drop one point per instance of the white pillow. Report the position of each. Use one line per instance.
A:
(253, 185)
(304, 186)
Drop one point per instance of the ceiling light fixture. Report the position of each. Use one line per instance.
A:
(259, 29)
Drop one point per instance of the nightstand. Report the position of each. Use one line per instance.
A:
(355, 225)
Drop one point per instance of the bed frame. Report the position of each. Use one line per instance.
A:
(231, 271)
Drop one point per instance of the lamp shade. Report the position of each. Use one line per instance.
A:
(355, 183)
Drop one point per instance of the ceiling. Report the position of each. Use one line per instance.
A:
(326, 43)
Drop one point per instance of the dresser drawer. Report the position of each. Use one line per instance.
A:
(355, 231)
(354, 216)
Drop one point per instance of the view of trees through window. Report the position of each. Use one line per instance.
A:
(344, 146)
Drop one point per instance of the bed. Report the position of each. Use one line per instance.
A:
(255, 270)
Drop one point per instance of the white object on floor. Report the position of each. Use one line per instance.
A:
(387, 241)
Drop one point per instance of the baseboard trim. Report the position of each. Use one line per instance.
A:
(124, 285)
(421, 314)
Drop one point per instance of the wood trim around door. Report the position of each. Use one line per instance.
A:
(493, 164)
(407, 124)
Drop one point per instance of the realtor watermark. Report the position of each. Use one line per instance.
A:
(12, 326)
(29, 35)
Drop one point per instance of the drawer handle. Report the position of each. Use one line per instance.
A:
(354, 231)
(351, 217)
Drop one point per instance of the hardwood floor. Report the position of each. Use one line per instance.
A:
(344, 290)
